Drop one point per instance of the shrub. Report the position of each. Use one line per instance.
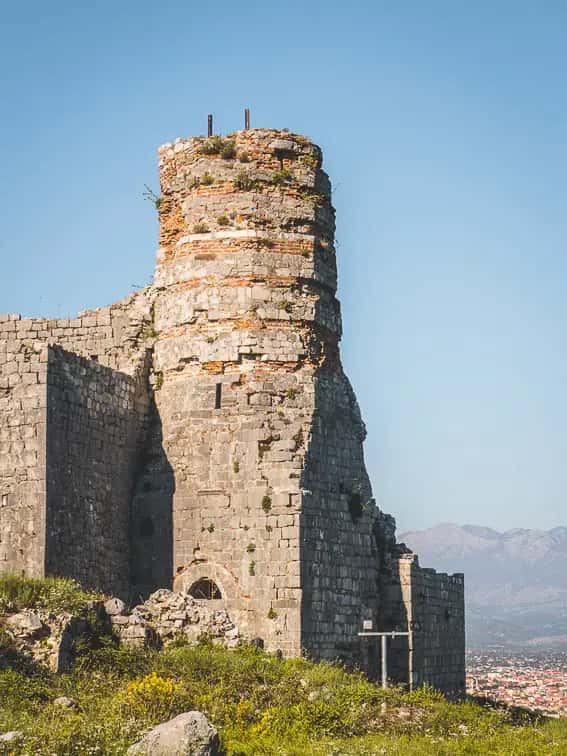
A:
(281, 177)
(236, 466)
(155, 698)
(252, 567)
(158, 380)
(207, 179)
(228, 150)
(244, 182)
(200, 228)
(222, 220)
(267, 503)
(53, 594)
(216, 145)
(251, 548)
(244, 157)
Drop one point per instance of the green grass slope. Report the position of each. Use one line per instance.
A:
(260, 704)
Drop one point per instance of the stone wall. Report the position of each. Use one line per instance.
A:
(430, 604)
(259, 423)
(23, 375)
(119, 337)
(96, 424)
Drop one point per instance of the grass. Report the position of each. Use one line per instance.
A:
(260, 703)
(52, 594)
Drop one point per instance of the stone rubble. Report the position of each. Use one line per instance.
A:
(167, 616)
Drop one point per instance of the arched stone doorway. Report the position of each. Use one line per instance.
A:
(205, 589)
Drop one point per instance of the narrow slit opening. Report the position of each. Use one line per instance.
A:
(218, 396)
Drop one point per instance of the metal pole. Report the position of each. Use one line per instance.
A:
(209, 125)
(384, 644)
(246, 119)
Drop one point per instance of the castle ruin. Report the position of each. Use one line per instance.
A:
(201, 433)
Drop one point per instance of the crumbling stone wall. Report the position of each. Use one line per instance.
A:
(431, 604)
(96, 423)
(23, 375)
(119, 337)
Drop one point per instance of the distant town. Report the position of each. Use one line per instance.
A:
(533, 680)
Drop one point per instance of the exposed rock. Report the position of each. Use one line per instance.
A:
(189, 734)
(24, 624)
(114, 606)
(283, 145)
(65, 703)
(46, 638)
(11, 737)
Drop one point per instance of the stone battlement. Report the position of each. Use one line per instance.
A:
(202, 434)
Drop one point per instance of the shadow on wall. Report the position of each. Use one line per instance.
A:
(345, 540)
(151, 517)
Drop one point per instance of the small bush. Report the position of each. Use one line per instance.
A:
(236, 466)
(200, 228)
(252, 567)
(158, 380)
(148, 331)
(53, 594)
(244, 157)
(207, 179)
(228, 150)
(222, 220)
(251, 548)
(155, 698)
(292, 392)
(267, 503)
(281, 177)
(244, 182)
(216, 145)
(272, 614)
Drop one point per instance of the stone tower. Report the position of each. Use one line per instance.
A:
(202, 434)
(258, 420)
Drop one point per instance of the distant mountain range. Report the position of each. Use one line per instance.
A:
(515, 581)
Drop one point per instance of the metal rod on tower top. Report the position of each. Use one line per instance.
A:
(246, 118)
(210, 125)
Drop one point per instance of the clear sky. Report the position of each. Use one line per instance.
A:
(444, 128)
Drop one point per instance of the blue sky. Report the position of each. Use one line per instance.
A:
(443, 125)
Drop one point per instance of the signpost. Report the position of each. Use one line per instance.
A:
(368, 632)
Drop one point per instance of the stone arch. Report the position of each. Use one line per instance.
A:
(225, 582)
(205, 588)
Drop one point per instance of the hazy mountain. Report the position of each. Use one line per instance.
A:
(515, 581)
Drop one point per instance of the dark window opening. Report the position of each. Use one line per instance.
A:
(218, 396)
(206, 589)
(147, 527)
(355, 507)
